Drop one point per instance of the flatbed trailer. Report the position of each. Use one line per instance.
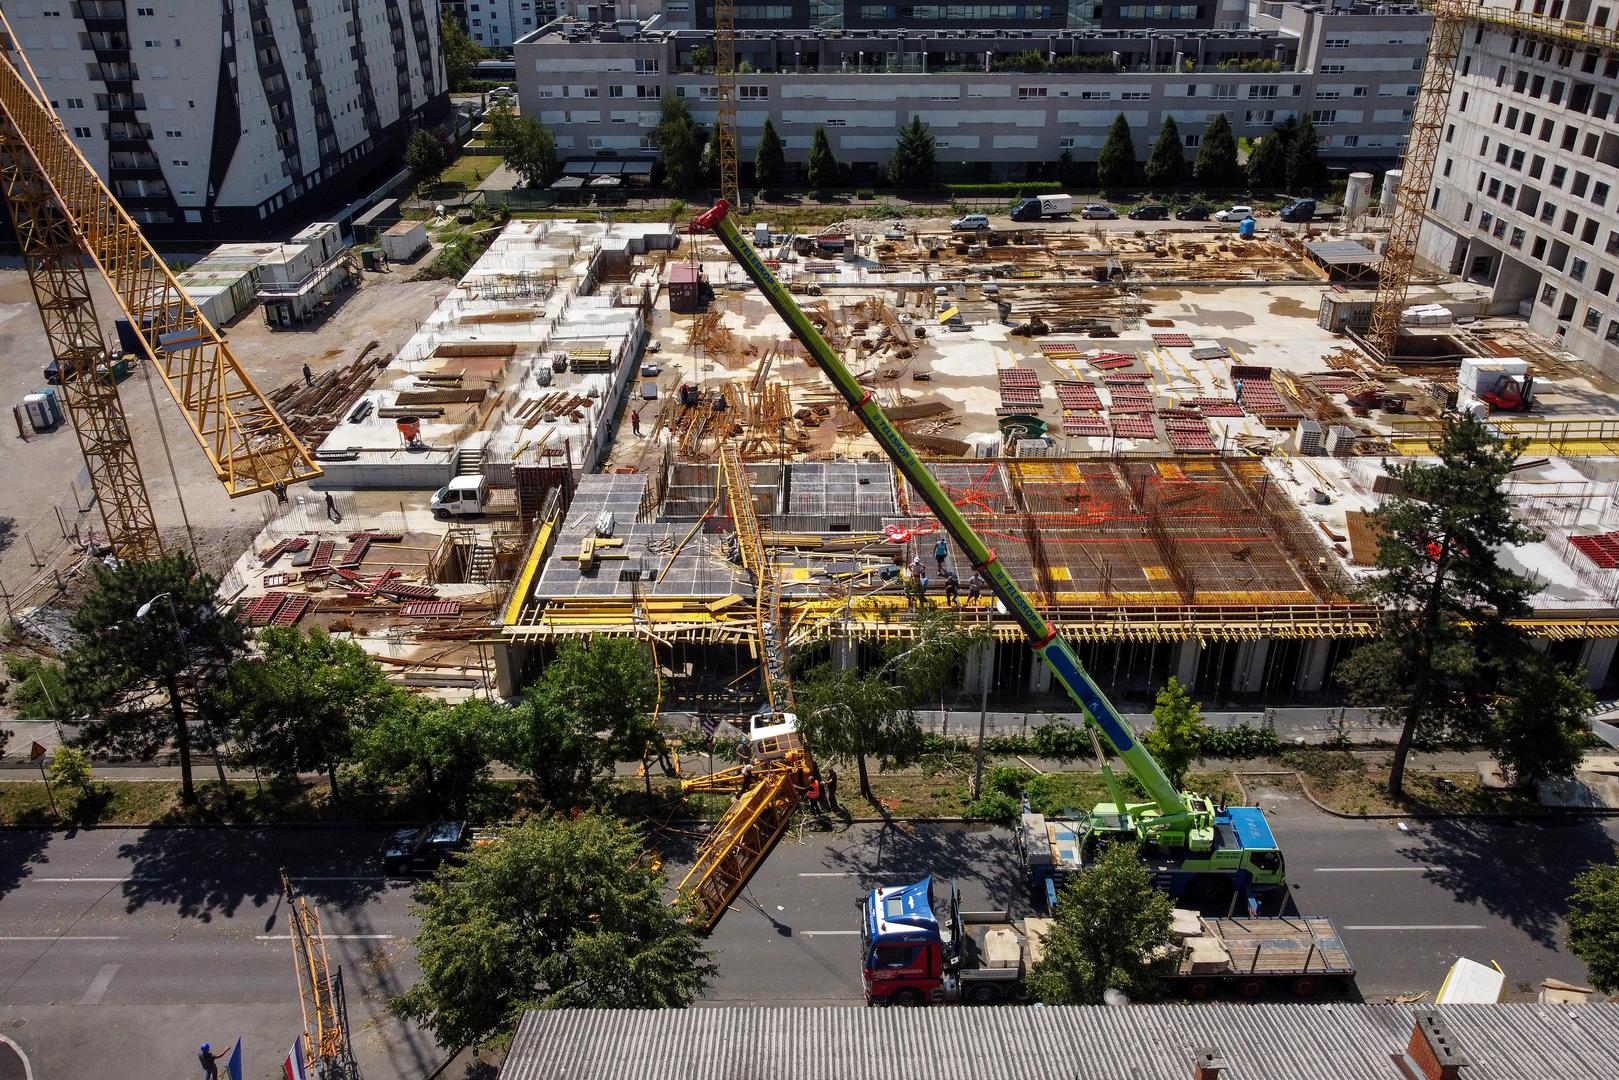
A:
(1302, 954)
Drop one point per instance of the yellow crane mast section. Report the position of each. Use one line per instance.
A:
(247, 442)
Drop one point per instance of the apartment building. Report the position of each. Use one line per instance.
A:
(1002, 102)
(495, 24)
(1524, 198)
(235, 119)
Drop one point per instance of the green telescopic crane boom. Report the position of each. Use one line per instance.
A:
(1057, 654)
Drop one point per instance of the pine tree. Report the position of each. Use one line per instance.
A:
(915, 160)
(1216, 165)
(1267, 163)
(1304, 169)
(1166, 168)
(1116, 167)
(823, 167)
(1067, 168)
(679, 144)
(769, 160)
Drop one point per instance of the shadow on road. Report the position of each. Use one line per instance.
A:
(899, 852)
(20, 851)
(1520, 872)
(203, 871)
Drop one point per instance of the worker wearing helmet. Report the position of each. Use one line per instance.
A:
(209, 1061)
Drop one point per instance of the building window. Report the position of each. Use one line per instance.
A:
(1494, 189)
(1613, 330)
(753, 93)
(1577, 268)
(84, 133)
(1548, 212)
(615, 91)
(1588, 235)
(1537, 165)
(1484, 219)
(1065, 143)
(1559, 174)
(1581, 182)
(1354, 140)
(1257, 92)
(595, 142)
(1517, 238)
(1548, 294)
(1026, 92)
(1517, 161)
(1604, 281)
(1599, 193)
(590, 91)
(1538, 251)
(1593, 319)
(1193, 140)
(646, 65)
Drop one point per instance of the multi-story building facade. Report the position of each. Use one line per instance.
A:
(1001, 102)
(234, 119)
(1524, 198)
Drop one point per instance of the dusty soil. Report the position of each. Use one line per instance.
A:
(46, 488)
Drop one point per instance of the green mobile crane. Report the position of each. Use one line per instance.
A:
(1188, 841)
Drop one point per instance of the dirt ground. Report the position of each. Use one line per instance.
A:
(46, 486)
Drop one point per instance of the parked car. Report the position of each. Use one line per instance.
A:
(425, 849)
(1098, 211)
(1234, 213)
(970, 221)
(1195, 212)
(1150, 212)
(1299, 210)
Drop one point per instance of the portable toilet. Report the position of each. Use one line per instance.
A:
(1245, 228)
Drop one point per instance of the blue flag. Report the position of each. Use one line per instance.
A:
(234, 1065)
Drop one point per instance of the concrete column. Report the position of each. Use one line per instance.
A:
(979, 667)
(1598, 660)
(509, 661)
(844, 653)
(1186, 663)
(1248, 675)
(1039, 677)
(1313, 666)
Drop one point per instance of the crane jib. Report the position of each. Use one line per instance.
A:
(1067, 668)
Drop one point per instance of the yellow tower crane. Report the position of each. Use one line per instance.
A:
(62, 213)
(1416, 176)
(725, 76)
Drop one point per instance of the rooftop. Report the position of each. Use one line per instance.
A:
(1159, 1042)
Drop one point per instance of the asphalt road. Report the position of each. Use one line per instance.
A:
(1407, 902)
(136, 945)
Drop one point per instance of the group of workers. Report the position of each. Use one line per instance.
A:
(917, 585)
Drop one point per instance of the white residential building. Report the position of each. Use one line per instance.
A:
(1524, 196)
(234, 119)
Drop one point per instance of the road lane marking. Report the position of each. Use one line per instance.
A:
(91, 880)
(328, 937)
(828, 933)
(1420, 926)
(1374, 869)
(56, 937)
(98, 988)
(833, 873)
(349, 877)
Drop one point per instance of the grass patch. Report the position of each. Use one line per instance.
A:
(1351, 784)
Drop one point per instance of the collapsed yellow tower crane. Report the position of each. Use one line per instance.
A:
(62, 211)
(1416, 177)
(327, 1049)
(771, 783)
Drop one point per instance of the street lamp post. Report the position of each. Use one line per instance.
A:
(143, 612)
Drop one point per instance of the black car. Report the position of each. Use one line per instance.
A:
(1150, 212)
(1193, 213)
(423, 850)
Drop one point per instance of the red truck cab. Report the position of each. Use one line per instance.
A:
(902, 953)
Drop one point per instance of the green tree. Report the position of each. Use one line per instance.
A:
(1216, 164)
(1540, 711)
(532, 153)
(915, 159)
(1067, 168)
(298, 705)
(1593, 924)
(38, 688)
(559, 914)
(70, 768)
(461, 53)
(1109, 925)
(1443, 590)
(680, 144)
(1176, 735)
(1267, 163)
(425, 158)
(1304, 169)
(823, 167)
(589, 708)
(846, 714)
(1116, 167)
(424, 745)
(131, 674)
(770, 159)
(702, 57)
(1166, 168)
